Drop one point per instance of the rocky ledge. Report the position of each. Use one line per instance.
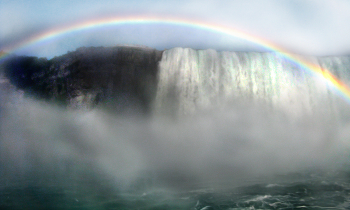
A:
(116, 77)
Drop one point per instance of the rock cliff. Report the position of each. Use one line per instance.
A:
(117, 77)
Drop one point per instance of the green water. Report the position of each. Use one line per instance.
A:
(291, 191)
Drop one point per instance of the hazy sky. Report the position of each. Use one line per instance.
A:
(318, 27)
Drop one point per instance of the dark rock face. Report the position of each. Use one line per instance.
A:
(118, 77)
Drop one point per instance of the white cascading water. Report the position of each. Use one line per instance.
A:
(200, 79)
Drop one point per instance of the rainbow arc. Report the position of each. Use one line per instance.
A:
(338, 85)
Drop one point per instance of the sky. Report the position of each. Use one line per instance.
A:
(309, 27)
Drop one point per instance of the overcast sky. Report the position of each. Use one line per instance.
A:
(316, 27)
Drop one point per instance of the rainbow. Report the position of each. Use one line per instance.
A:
(322, 73)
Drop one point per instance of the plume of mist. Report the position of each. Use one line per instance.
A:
(231, 144)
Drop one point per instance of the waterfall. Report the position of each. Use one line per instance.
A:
(191, 80)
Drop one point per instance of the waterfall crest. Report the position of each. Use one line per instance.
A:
(191, 80)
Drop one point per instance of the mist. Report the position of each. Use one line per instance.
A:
(235, 143)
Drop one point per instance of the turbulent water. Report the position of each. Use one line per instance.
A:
(228, 130)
